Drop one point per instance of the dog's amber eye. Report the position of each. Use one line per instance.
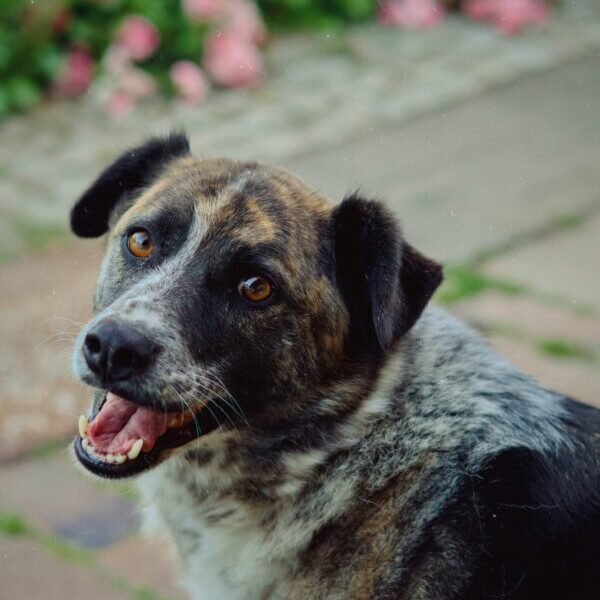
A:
(140, 243)
(255, 289)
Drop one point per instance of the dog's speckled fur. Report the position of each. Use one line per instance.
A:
(363, 449)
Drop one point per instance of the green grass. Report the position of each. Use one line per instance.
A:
(581, 309)
(466, 281)
(567, 221)
(462, 282)
(143, 593)
(38, 236)
(553, 347)
(555, 225)
(64, 550)
(13, 525)
(564, 349)
(48, 448)
(504, 329)
(16, 525)
(31, 237)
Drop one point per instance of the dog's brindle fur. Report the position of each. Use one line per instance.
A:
(377, 452)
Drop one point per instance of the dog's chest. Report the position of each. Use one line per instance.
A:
(230, 561)
(225, 550)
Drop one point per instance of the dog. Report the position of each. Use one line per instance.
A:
(302, 422)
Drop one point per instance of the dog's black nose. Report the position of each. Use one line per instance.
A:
(115, 351)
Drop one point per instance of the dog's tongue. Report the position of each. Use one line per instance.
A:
(120, 423)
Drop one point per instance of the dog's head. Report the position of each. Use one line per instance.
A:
(231, 296)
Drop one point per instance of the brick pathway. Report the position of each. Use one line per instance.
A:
(504, 187)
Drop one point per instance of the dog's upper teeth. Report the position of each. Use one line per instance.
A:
(83, 426)
(135, 450)
(120, 458)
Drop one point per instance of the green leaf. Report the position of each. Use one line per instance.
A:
(4, 101)
(50, 61)
(23, 93)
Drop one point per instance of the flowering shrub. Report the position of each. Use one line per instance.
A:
(132, 49)
(316, 13)
(412, 14)
(129, 49)
(509, 16)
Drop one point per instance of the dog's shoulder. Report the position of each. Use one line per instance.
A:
(523, 520)
(538, 512)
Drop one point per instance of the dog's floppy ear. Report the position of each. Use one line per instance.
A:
(385, 282)
(132, 170)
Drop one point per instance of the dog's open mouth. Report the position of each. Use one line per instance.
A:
(124, 438)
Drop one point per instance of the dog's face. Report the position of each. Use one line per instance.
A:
(231, 296)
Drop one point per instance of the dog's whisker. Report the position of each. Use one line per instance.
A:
(182, 393)
(56, 337)
(229, 399)
(199, 380)
(206, 405)
(194, 419)
(69, 321)
(209, 392)
(191, 411)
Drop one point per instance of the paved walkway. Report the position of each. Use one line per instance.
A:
(503, 186)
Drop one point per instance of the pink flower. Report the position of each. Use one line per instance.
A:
(137, 83)
(123, 83)
(138, 37)
(508, 16)
(116, 60)
(243, 18)
(189, 80)
(120, 103)
(77, 75)
(411, 14)
(202, 10)
(232, 61)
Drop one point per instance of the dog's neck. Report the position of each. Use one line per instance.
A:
(238, 482)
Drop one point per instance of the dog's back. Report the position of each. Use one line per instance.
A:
(518, 475)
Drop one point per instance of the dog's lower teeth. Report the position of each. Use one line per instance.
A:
(111, 459)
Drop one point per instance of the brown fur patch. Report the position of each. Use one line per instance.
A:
(349, 557)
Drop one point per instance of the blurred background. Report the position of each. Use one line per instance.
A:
(478, 121)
